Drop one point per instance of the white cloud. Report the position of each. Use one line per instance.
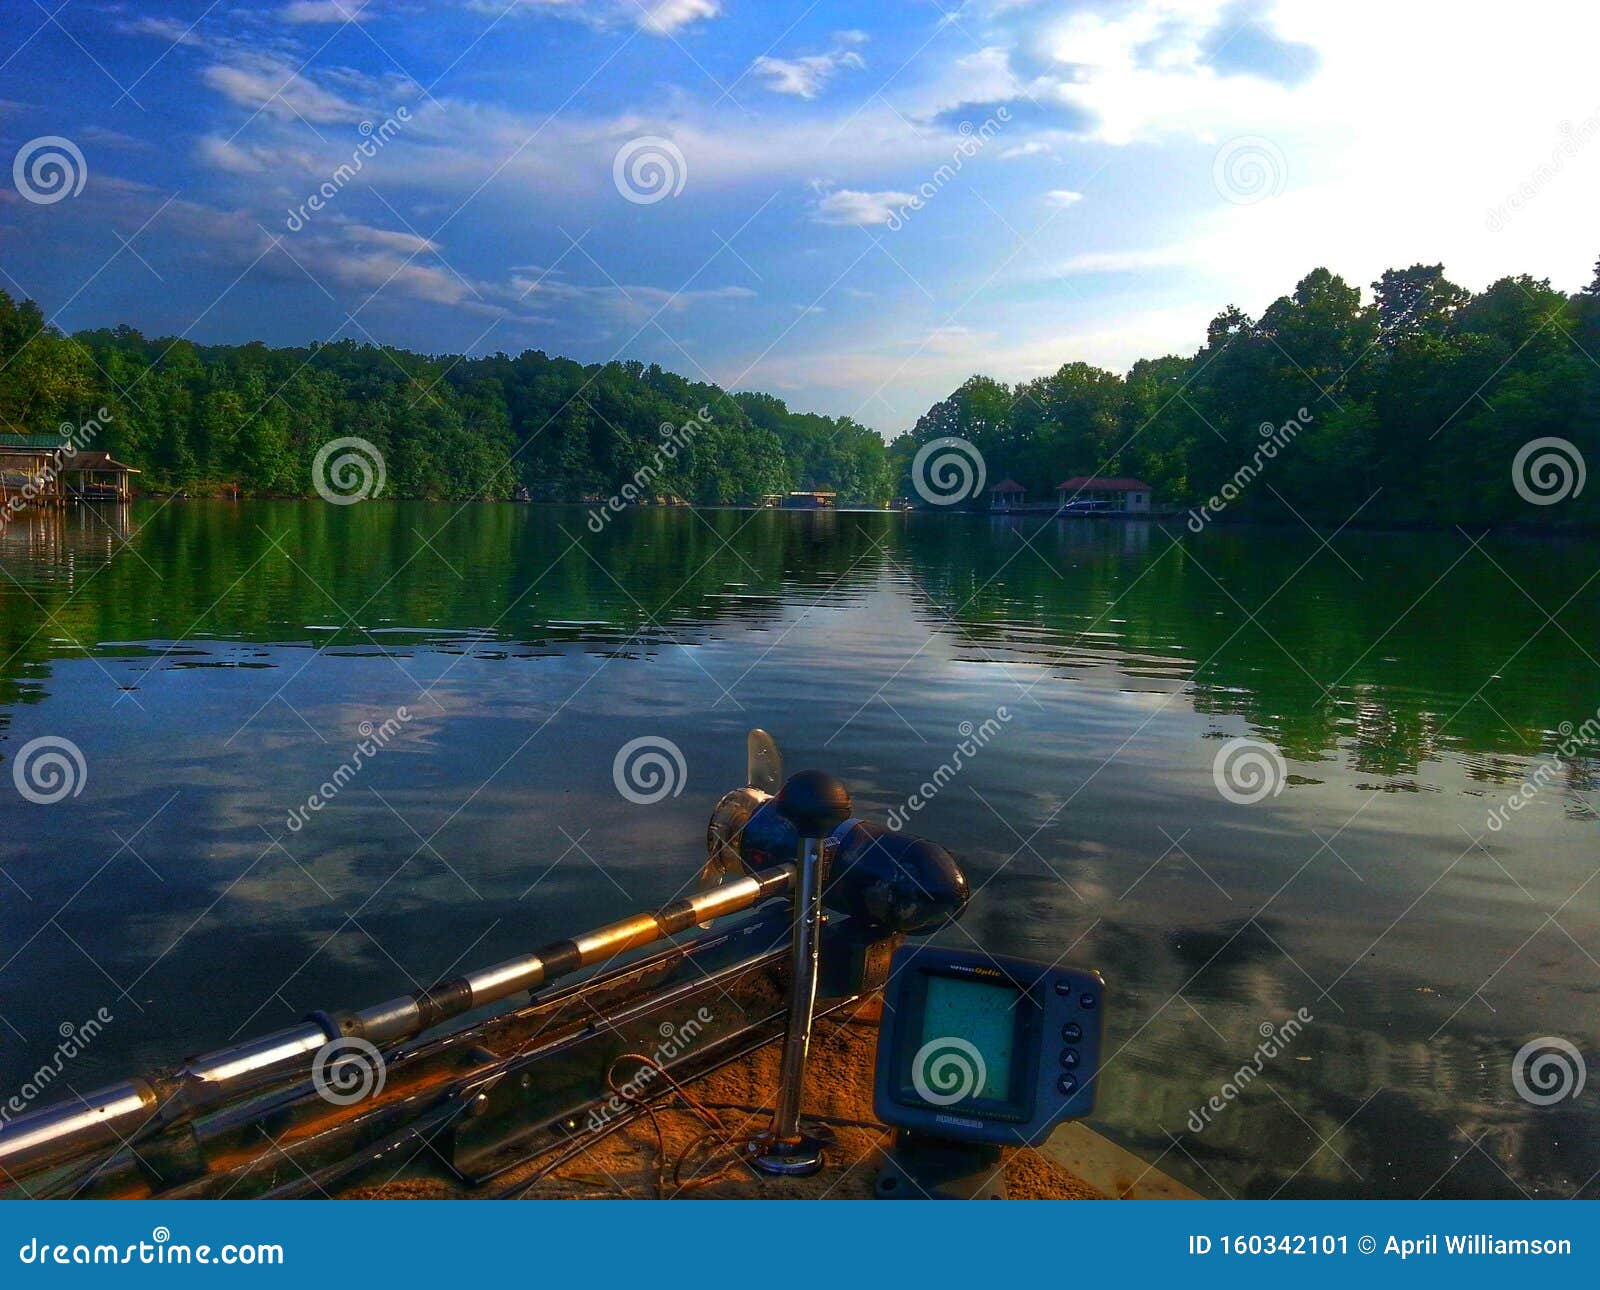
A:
(279, 89)
(313, 11)
(851, 206)
(659, 17)
(395, 241)
(168, 29)
(1372, 181)
(984, 76)
(1032, 148)
(383, 269)
(223, 154)
(805, 77)
(629, 302)
(1088, 262)
(105, 138)
(665, 16)
(1061, 198)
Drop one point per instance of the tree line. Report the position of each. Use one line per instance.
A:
(251, 418)
(1410, 406)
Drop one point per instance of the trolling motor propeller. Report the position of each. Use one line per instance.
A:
(763, 764)
(763, 777)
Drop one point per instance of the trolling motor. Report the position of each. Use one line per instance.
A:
(882, 877)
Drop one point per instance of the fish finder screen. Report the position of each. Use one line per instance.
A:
(982, 1014)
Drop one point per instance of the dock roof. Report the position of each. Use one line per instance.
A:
(1104, 484)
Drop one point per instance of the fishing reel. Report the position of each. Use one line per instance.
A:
(891, 880)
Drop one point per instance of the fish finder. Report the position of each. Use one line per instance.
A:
(976, 1053)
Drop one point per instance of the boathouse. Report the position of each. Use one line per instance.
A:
(1007, 495)
(1118, 494)
(44, 470)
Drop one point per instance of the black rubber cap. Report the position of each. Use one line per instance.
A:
(815, 802)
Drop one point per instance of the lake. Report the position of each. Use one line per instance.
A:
(217, 663)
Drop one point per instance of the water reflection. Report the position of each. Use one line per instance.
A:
(215, 662)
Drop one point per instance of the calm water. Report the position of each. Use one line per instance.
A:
(215, 663)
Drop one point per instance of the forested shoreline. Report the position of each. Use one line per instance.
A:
(1415, 405)
(220, 418)
(1410, 407)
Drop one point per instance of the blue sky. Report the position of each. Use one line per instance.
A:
(1092, 180)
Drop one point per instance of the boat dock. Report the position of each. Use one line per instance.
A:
(50, 471)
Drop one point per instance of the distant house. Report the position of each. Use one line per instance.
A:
(1087, 494)
(1007, 494)
(807, 499)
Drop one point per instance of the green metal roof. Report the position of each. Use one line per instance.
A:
(45, 441)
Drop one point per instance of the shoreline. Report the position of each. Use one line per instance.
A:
(1160, 518)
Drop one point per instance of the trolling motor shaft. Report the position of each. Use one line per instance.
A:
(815, 804)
